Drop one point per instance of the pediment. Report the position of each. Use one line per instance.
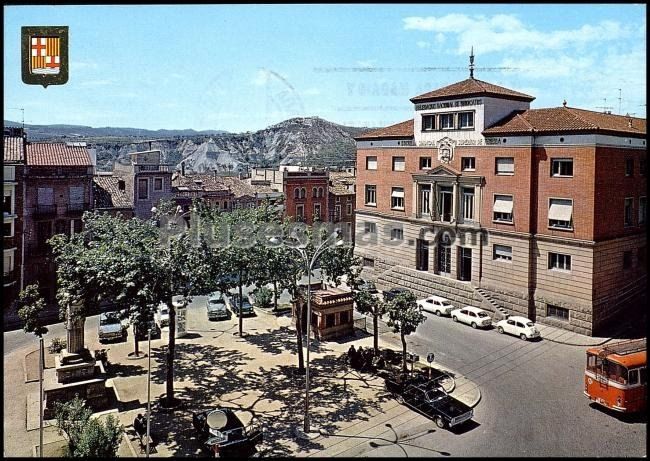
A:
(443, 170)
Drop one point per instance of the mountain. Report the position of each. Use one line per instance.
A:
(310, 141)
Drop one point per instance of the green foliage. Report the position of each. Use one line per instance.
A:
(366, 303)
(404, 313)
(56, 345)
(87, 437)
(30, 306)
(263, 297)
(337, 262)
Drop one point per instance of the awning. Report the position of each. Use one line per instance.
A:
(560, 210)
(398, 193)
(501, 250)
(502, 204)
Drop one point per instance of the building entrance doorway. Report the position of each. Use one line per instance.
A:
(422, 255)
(444, 260)
(465, 258)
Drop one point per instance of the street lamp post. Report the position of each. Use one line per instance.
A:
(309, 265)
(41, 366)
(149, 392)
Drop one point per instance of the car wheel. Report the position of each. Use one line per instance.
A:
(439, 422)
(438, 313)
(523, 336)
(500, 330)
(473, 324)
(454, 318)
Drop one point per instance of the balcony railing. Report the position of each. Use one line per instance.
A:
(156, 167)
(45, 210)
(77, 207)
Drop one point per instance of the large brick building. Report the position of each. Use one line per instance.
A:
(306, 195)
(488, 202)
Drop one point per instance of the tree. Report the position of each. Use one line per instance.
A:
(366, 303)
(404, 315)
(87, 437)
(340, 261)
(30, 306)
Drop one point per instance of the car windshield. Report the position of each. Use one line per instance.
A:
(216, 301)
(164, 311)
(482, 314)
(530, 324)
(108, 320)
(434, 395)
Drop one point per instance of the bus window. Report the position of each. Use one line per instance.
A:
(642, 375)
(633, 376)
(593, 363)
(616, 372)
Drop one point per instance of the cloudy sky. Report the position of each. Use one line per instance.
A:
(242, 68)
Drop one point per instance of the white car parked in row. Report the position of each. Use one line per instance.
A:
(436, 305)
(472, 316)
(518, 326)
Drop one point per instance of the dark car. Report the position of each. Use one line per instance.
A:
(216, 306)
(141, 330)
(431, 400)
(390, 294)
(224, 435)
(367, 286)
(111, 327)
(233, 304)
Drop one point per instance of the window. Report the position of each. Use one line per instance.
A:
(562, 167)
(321, 192)
(425, 199)
(76, 194)
(300, 212)
(466, 120)
(629, 203)
(368, 262)
(370, 228)
(428, 122)
(559, 261)
(348, 228)
(8, 228)
(468, 204)
(317, 211)
(314, 192)
(45, 196)
(627, 259)
(348, 209)
(8, 263)
(505, 165)
(642, 210)
(329, 320)
(398, 163)
(446, 121)
(158, 184)
(502, 208)
(425, 163)
(629, 166)
(371, 195)
(501, 253)
(371, 163)
(560, 213)
(468, 163)
(296, 193)
(75, 226)
(633, 376)
(344, 317)
(557, 312)
(396, 234)
(143, 188)
(7, 204)
(397, 198)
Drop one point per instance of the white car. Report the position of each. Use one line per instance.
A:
(518, 326)
(162, 316)
(472, 316)
(436, 305)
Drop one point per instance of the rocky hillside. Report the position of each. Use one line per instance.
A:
(308, 140)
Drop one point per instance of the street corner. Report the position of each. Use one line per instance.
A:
(466, 391)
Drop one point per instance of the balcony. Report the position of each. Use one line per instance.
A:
(77, 208)
(162, 167)
(45, 210)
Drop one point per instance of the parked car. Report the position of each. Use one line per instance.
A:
(390, 294)
(162, 316)
(111, 327)
(216, 306)
(233, 304)
(224, 435)
(430, 400)
(518, 326)
(473, 316)
(141, 330)
(436, 305)
(368, 286)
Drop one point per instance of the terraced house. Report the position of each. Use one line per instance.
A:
(481, 199)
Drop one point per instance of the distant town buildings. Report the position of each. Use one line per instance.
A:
(485, 201)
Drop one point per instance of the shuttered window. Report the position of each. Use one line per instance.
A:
(560, 213)
(45, 196)
(76, 194)
(505, 165)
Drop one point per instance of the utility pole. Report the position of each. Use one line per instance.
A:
(41, 365)
(619, 101)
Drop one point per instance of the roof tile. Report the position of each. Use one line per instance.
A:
(107, 193)
(14, 149)
(471, 87)
(399, 130)
(57, 154)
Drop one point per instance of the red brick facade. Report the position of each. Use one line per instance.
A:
(306, 190)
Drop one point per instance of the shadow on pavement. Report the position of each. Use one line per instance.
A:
(628, 418)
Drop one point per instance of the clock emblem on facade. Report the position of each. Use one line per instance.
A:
(446, 150)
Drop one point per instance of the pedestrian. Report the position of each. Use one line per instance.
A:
(351, 353)
(139, 424)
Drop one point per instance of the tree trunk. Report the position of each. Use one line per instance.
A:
(404, 368)
(301, 359)
(241, 314)
(136, 348)
(375, 330)
(170, 352)
(275, 295)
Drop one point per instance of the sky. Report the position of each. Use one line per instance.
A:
(244, 67)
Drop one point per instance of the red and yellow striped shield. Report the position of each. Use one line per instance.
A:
(45, 55)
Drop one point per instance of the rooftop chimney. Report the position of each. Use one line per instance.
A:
(182, 168)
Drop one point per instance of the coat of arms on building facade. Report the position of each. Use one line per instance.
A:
(446, 149)
(44, 55)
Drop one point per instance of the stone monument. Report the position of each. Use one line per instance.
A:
(76, 371)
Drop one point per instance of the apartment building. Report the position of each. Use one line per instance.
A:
(342, 191)
(485, 201)
(306, 195)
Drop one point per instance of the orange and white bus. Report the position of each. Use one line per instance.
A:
(616, 375)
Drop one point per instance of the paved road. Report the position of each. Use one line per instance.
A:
(532, 401)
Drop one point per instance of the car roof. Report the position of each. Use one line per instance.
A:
(438, 298)
(474, 309)
(519, 318)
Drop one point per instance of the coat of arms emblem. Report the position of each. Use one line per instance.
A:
(446, 149)
(45, 55)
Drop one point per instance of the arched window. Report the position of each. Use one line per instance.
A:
(296, 193)
(320, 191)
(303, 192)
(314, 193)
